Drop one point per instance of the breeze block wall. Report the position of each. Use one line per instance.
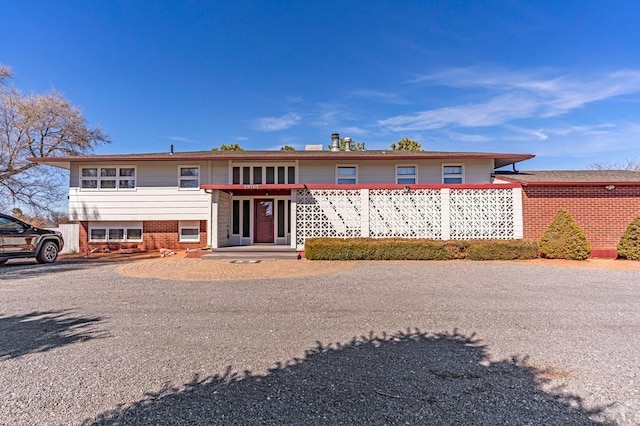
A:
(155, 235)
(603, 214)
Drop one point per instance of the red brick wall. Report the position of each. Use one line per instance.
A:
(603, 214)
(158, 234)
(155, 235)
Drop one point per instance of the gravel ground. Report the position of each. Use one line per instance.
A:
(379, 343)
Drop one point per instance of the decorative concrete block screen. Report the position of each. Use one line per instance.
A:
(483, 214)
(434, 213)
(224, 217)
(401, 214)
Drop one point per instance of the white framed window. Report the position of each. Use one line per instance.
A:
(115, 231)
(452, 173)
(108, 178)
(189, 177)
(189, 231)
(98, 234)
(346, 174)
(406, 174)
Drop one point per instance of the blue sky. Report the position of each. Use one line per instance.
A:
(559, 79)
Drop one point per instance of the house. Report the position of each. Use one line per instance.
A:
(228, 198)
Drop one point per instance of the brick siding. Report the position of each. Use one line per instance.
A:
(603, 214)
(155, 235)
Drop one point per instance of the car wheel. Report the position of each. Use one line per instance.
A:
(48, 252)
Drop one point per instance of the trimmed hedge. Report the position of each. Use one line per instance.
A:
(564, 239)
(629, 246)
(503, 250)
(415, 249)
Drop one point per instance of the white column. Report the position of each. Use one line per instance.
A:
(214, 220)
(292, 216)
(445, 215)
(364, 213)
(518, 225)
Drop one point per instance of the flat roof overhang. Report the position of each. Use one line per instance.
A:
(571, 183)
(500, 159)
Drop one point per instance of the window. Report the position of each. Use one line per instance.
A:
(246, 218)
(189, 177)
(406, 174)
(189, 231)
(98, 235)
(452, 173)
(134, 234)
(291, 174)
(115, 231)
(269, 174)
(89, 178)
(127, 178)
(347, 174)
(108, 178)
(236, 217)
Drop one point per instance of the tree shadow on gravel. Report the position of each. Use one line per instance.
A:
(406, 378)
(42, 331)
(30, 269)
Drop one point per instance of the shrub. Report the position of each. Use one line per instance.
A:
(503, 250)
(409, 249)
(629, 245)
(374, 249)
(564, 239)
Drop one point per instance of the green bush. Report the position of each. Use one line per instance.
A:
(410, 249)
(503, 250)
(629, 245)
(564, 239)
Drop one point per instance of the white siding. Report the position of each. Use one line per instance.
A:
(141, 204)
(156, 196)
(384, 171)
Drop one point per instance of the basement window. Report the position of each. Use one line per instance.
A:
(189, 231)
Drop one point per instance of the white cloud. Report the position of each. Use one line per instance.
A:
(353, 130)
(377, 95)
(465, 137)
(513, 95)
(178, 139)
(272, 124)
(497, 110)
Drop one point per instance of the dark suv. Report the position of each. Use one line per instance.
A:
(19, 240)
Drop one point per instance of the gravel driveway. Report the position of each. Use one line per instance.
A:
(378, 343)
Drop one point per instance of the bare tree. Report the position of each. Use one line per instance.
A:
(35, 125)
(628, 164)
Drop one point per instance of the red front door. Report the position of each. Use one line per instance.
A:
(263, 227)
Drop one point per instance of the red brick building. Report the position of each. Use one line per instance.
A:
(602, 202)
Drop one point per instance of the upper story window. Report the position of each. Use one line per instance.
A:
(406, 174)
(347, 174)
(189, 177)
(452, 173)
(108, 178)
(271, 174)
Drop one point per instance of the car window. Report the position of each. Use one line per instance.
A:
(7, 224)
